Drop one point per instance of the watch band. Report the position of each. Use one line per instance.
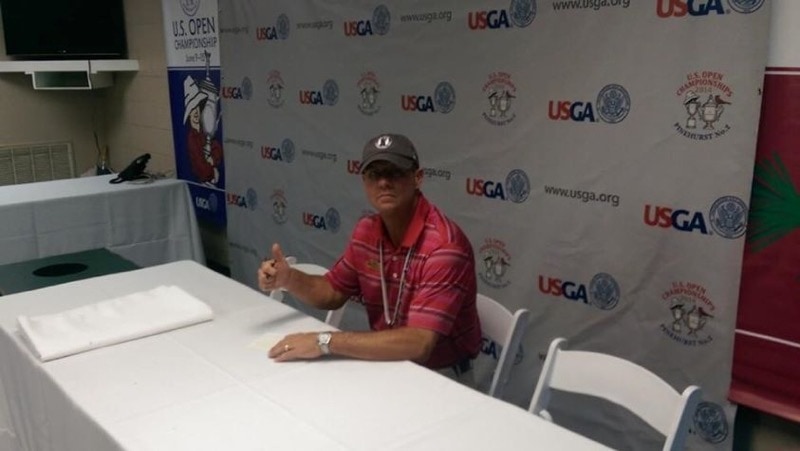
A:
(323, 341)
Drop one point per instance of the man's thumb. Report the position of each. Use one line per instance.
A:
(277, 254)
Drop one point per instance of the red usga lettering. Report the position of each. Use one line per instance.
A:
(660, 217)
(475, 186)
(552, 286)
(561, 111)
(354, 166)
(476, 20)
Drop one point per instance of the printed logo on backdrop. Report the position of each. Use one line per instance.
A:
(493, 349)
(705, 98)
(242, 92)
(443, 100)
(283, 153)
(690, 310)
(330, 221)
(436, 173)
(368, 88)
(279, 206)
(378, 25)
(322, 156)
(666, 9)
(208, 201)
(517, 187)
(354, 167)
(280, 31)
(710, 422)
(495, 260)
(194, 33)
(728, 216)
(315, 25)
(612, 106)
(190, 7)
(596, 5)
(584, 196)
(520, 14)
(249, 200)
(500, 93)
(327, 96)
(603, 291)
(275, 86)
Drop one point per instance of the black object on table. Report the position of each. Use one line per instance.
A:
(58, 269)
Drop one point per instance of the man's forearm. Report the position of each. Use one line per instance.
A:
(406, 343)
(314, 290)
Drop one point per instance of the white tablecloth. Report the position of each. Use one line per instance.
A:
(148, 224)
(205, 388)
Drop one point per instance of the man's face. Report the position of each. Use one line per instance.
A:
(390, 188)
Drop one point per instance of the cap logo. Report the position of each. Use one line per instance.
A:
(383, 142)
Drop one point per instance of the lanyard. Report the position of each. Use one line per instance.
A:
(390, 320)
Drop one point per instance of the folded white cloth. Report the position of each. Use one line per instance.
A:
(112, 321)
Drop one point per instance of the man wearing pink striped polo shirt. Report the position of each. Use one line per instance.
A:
(411, 266)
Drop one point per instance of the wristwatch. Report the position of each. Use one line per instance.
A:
(323, 341)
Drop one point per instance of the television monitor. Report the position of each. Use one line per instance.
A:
(64, 29)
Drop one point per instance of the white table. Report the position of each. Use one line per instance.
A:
(204, 388)
(148, 224)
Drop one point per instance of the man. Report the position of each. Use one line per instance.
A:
(412, 267)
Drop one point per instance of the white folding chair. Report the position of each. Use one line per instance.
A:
(334, 317)
(621, 382)
(506, 329)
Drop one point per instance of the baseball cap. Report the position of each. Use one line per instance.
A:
(394, 148)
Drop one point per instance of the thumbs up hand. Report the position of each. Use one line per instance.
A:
(275, 272)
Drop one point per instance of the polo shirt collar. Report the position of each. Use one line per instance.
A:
(416, 225)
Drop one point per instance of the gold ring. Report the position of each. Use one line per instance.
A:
(286, 348)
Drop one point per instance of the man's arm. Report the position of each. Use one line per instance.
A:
(404, 343)
(313, 290)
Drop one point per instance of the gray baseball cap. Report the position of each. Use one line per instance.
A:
(391, 147)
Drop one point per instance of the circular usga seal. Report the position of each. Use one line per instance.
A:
(604, 291)
(332, 220)
(213, 202)
(330, 92)
(745, 6)
(728, 216)
(445, 97)
(522, 12)
(710, 422)
(287, 150)
(283, 26)
(381, 20)
(252, 198)
(613, 103)
(518, 186)
(247, 88)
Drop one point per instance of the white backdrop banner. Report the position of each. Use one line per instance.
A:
(598, 153)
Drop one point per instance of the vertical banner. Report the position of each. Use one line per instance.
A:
(766, 364)
(598, 154)
(192, 49)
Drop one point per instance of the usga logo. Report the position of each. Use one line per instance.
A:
(368, 89)
(249, 200)
(210, 204)
(279, 204)
(354, 166)
(283, 153)
(704, 98)
(728, 217)
(279, 31)
(239, 92)
(519, 14)
(381, 20)
(689, 310)
(516, 189)
(500, 93)
(443, 100)
(330, 221)
(275, 86)
(603, 291)
(494, 263)
(680, 8)
(710, 422)
(329, 95)
(612, 106)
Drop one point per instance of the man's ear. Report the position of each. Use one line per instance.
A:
(419, 176)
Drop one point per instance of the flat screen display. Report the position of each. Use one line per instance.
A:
(64, 29)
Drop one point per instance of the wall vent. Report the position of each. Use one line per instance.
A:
(25, 163)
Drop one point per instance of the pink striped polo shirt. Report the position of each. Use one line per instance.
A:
(440, 285)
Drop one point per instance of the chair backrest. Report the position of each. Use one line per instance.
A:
(622, 382)
(506, 329)
(334, 317)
